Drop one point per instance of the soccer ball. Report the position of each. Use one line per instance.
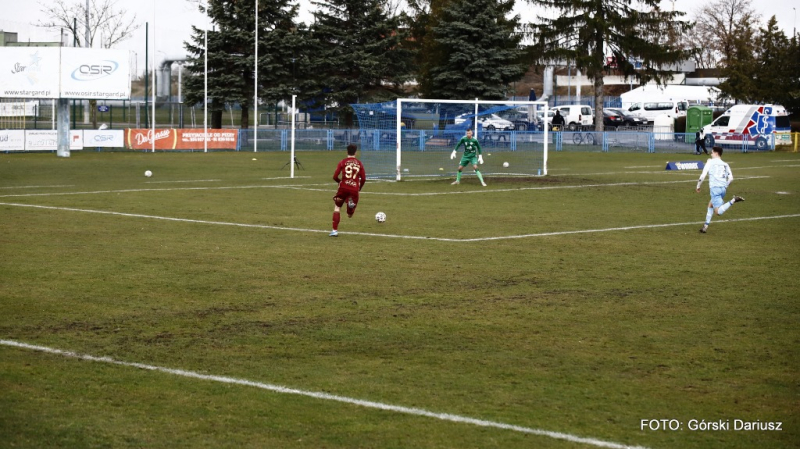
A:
(380, 217)
(505, 164)
(148, 173)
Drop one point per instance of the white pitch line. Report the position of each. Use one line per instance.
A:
(656, 172)
(518, 189)
(395, 236)
(328, 397)
(37, 187)
(191, 180)
(157, 190)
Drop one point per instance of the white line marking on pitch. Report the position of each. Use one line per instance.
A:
(158, 190)
(192, 180)
(327, 397)
(518, 189)
(655, 172)
(36, 187)
(395, 236)
(304, 187)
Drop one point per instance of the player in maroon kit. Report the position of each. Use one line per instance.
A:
(353, 179)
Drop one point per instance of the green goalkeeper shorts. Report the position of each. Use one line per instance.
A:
(466, 161)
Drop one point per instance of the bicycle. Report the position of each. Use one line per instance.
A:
(579, 138)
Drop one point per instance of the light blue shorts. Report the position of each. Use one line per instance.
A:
(717, 195)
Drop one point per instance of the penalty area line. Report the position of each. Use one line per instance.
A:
(326, 396)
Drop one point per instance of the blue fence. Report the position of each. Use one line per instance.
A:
(418, 140)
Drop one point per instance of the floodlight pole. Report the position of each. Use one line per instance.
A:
(153, 81)
(205, 86)
(255, 90)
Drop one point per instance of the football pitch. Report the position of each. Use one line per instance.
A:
(206, 306)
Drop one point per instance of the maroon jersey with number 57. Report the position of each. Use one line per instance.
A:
(352, 174)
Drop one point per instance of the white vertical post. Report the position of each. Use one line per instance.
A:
(399, 141)
(153, 82)
(255, 91)
(475, 119)
(546, 143)
(291, 161)
(205, 87)
(53, 114)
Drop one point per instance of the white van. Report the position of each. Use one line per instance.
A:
(576, 115)
(762, 126)
(653, 108)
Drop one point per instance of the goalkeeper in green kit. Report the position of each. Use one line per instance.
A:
(472, 155)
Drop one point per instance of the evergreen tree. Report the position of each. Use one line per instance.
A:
(763, 67)
(775, 77)
(584, 32)
(231, 54)
(359, 54)
(469, 49)
(741, 71)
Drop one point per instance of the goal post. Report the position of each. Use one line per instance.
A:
(413, 138)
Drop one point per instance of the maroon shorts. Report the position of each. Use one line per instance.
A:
(346, 195)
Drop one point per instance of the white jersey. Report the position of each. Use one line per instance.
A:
(720, 174)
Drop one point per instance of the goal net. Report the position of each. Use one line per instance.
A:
(413, 138)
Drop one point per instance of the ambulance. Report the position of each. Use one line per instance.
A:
(762, 126)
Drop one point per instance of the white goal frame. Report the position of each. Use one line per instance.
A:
(476, 102)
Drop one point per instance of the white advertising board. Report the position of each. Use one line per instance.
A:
(19, 108)
(12, 140)
(36, 140)
(95, 73)
(29, 72)
(106, 138)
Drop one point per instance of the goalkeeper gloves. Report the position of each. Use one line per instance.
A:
(453, 154)
(480, 159)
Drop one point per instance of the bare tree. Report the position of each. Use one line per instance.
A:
(717, 28)
(106, 26)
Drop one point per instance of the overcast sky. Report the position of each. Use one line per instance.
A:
(173, 20)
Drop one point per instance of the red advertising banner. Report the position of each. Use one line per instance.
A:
(218, 139)
(181, 139)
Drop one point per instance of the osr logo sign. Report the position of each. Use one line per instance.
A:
(93, 72)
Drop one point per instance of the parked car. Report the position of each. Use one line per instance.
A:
(628, 118)
(612, 119)
(576, 115)
(520, 120)
(540, 116)
(489, 122)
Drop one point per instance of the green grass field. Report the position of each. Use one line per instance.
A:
(572, 306)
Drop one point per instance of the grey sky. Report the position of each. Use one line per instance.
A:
(174, 18)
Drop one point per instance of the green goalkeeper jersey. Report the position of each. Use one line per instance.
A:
(471, 146)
